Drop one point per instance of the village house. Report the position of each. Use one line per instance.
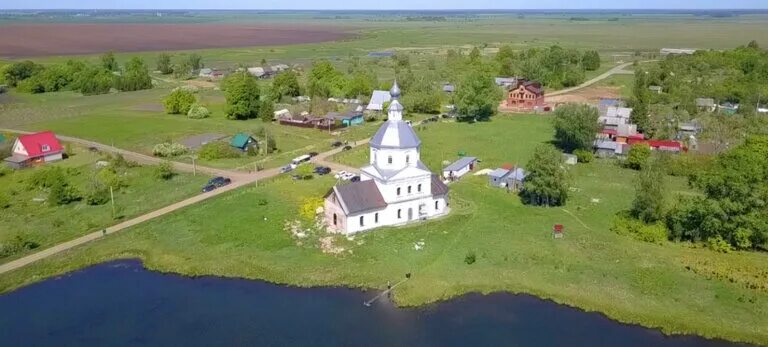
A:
(613, 116)
(687, 129)
(656, 89)
(525, 96)
(496, 177)
(210, 74)
(395, 189)
(607, 148)
(378, 99)
(668, 146)
(243, 142)
(514, 179)
(728, 108)
(706, 104)
(349, 118)
(677, 51)
(459, 168)
(505, 81)
(35, 149)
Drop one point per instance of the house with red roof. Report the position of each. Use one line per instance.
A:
(35, 149)
(526, 96)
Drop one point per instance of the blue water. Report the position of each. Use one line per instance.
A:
(122, 304)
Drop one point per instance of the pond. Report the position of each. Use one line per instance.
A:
(122, 304)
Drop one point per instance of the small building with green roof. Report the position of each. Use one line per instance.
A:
(243, 141)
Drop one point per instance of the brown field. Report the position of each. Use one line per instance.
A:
(30, 40)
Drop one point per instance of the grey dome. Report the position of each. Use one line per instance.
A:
(395, 135)
(395, 91)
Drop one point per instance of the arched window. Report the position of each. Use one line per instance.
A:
(418, 188)
(334, 219)
(407, 159)
(361, 221)
(437, 205)
(399, 214)
(376, 218)
(398, 191)
(389, 159)
(409, 189)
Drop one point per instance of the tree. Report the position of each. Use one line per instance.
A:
(135, 76)
(267, 110)
(650, 192)
(324, 80)
(591, 60)
(14, 73)
(93, 80)
(474, 55)
(361, 83)
(164, 63)
(242, 96)
(575, 126)
(182, 70)
(109, 62)
(304, 171)
(638, 156)
(286, 84)
(477, 97)
(270, 144)
(753, 44)
(180, 101)
(62, 193)
(547, 180)
(164, 170)
(195, 61)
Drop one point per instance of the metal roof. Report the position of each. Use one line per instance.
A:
(359, 197)
(438, 187)
(460, 164)
(395, 134)
(498, 173)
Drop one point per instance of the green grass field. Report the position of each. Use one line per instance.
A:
(47, 225)
(591, 267)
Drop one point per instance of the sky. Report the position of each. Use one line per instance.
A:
(383, 4)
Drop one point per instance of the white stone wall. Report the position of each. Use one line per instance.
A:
(456, 174)
(389, 215)
(401, 158)
(389, 189)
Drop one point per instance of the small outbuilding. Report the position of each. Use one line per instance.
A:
(243, 142)
(496, 178)
(459, 168)
(350, 118)
(378, 99)
(514, 179)
(706, 104)
(35, 149)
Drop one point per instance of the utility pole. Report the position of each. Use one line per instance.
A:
(112, 197)
(194, 167)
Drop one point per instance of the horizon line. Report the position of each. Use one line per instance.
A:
(393, 9)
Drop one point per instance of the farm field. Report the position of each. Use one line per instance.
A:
(243, 234)
(32, 218)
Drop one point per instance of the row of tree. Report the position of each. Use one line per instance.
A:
(554, 67)
(76, 75)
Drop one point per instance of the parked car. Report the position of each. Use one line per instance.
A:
(340, 174)
(322, 170)
(355, 179)
(347, 147)
(313, 154)
(336, 144)
(346, 176)
(287, 168)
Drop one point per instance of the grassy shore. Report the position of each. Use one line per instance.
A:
(243, 234)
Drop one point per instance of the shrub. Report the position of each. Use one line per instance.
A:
(653, 233)
(718, 244)
(180, 101)
(169, 150)
(108, 177)
(583, 156)
(46, 177)
(15, 245)
(5, 200)
(638, 156)
(470, 258)
(217, 150)
(62, 193)
(198, 111)
(164, 170)
(98, 194)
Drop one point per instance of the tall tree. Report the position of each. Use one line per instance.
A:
(109, 62)
(195, 61)
(164, 64)
(286, 84)
(135, 76)
(576, 126)
(324, 80)
(242, 94)
(591, 60)
(650, 194)
(547, 180)
(477, 97)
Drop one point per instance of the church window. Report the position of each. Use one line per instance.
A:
(437, 205)
(389, 159)
(407, 159)
(376, 218)
(361, 221)
(418, 188)
(409, 189)
(398, 191)
(399, 214)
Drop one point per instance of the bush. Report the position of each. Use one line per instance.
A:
(46, 177)
(718, 244)
(5, 200)
(164, 170)
(98, 194)
(180, 101)
(653, 233)
(15, 245)
(470, 258)
(166, 150)
(638, 156)
(583, 156)
(62, 193)
(218, 150)
(197, 111)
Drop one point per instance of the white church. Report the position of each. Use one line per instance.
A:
(395, 189)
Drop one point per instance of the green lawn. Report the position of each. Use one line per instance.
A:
(243, 234)
(32, 218)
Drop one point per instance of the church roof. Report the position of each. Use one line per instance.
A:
(359, 197)
(438, 187)
(395, 134)
(385, 174)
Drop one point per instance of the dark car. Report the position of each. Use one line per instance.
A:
(322, 170)
(209, 187)
(347, 147)
(312, 154)
(355, 179)
(219, 181)
(336, 144)
(286, 168)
